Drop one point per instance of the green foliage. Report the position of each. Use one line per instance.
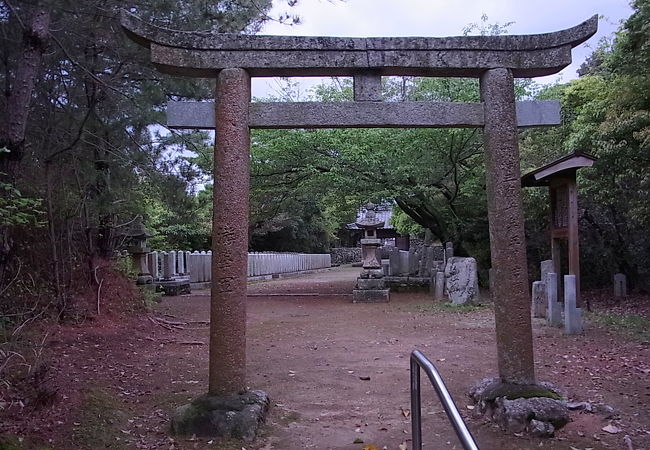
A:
(124, 265)
(404, 224)
(150, 297)
(605, 114)
(16, 210)
(94, 148)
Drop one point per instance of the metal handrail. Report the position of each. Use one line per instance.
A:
(418, 360)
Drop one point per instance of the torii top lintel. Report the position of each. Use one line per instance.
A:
(203, 54)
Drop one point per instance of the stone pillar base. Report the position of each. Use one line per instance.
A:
(235, 416)
(537, 409)
(370, 295)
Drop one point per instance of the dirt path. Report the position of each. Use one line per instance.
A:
(313, 354)
(336, 372)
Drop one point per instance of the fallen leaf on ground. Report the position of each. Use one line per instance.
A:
(364, 378)
(358, 441)
(369, 447)
(405, 412)
(402, 446)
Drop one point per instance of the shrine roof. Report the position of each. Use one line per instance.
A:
(560, 167)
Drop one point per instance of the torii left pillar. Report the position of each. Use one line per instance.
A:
(230, 228)
(228, 409)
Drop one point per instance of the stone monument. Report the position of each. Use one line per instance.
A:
(136, 235)
(620, 285)
(370, 287)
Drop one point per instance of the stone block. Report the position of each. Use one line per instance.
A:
(515, 415)
(540, 299)
(393, 262)
(545, 267)
(152, 261)
(385, 267)
(413, 262)
(237, 416)
(461, 280)
(449, 250)
(438, 253)
(367, 87)
(439, 289)
(437, 266)
(370, 295)
(168, 265)
(620, 285)
(572, 314)
(371, 273)
(553, 307)
(370, 283)
(174, 287)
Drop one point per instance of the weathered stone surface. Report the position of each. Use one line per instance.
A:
(201, 54)
(369, 254)
(393, 262)
(371, 283)
(438, 253)
(540, 299)
(572, 314)
(437, 266)
(553, 307)
(371, 273)
(461, 281)
(506, 223)
(580, 406)
(385, 267)
(345, 255)
(545, 267)
(230, 234)
(620, 285)
(169, 265)
(145, 33)
(367, 87)
(413, 262)
(514, 415)
(238, 416)
(370, 295)
(174, 287)
(536, 409)
(537, 428)
(439, 291)
(488, 390)
(406, 284)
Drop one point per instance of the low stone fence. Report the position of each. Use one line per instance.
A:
(275, 263)
(198, 265)
(345, 255)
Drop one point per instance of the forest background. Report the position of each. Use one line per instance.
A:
(84, 153)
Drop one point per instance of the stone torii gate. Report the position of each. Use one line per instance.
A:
(233, 59)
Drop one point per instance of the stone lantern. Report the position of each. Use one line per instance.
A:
(136, 236)
(371, 287)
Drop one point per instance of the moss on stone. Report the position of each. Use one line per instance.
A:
(514, 391)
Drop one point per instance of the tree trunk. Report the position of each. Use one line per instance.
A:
(13, 119)
(14, 124)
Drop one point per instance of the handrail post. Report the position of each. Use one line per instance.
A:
(419, 361)
(416, 407)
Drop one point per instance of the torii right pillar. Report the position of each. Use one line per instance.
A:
(506, 223)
